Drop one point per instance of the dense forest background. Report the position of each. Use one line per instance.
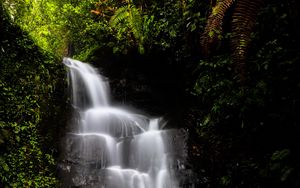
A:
(226, 71)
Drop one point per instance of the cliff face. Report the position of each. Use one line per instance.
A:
(31, 110)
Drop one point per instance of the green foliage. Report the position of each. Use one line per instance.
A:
(218, 90)
(26, 82)
(128, 19)
(120, 15)
(250, 134)
(59, 27)
(42, 27)
(84, 33)
(76, 27)
(279, 164)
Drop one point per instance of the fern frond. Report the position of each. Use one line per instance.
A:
(214, 25)
(136, 24)
(121, 14)
(243, 20)
(130, 18)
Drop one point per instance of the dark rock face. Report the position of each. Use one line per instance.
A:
(145, 82)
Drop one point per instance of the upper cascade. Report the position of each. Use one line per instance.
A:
(88, 86)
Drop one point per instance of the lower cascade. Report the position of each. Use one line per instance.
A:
(111, 147)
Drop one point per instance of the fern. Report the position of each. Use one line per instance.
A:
(120, 15)
(130, 17)
(136, 23)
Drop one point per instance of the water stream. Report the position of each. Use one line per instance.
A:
(111, 147)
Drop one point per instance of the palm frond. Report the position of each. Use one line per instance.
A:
(214, 25)
(243, 20)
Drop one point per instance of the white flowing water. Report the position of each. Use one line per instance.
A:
(129, 148)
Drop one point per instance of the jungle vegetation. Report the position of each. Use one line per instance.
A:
(237, 61)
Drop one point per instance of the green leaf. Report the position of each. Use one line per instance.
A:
(280, 155)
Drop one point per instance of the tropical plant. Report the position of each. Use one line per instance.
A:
(129, 18)
(243, 20)
(213, 29)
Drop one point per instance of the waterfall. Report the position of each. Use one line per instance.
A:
(111, 147)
